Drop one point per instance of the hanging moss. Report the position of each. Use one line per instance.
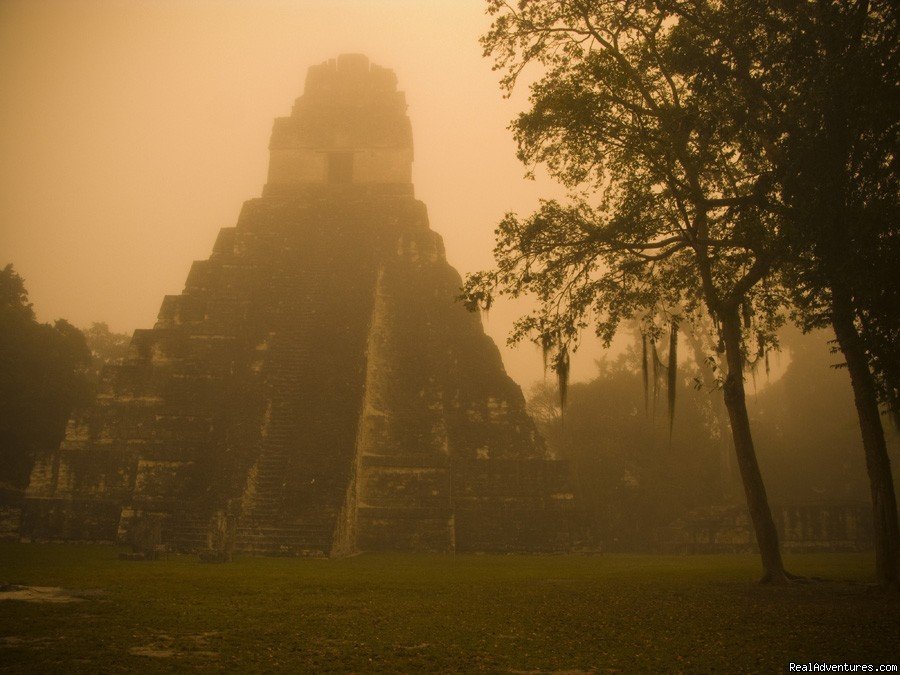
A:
(763, 350)
(720, 344)
(645, 373)
(486, 307)
(561, 366)
(546, 345)
(746, 313)
(654, 355)
(672, 373)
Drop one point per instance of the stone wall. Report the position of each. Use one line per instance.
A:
(801, 527)
(350, 107)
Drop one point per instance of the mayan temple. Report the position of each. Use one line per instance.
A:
(315, 389)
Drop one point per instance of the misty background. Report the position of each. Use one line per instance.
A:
(131, 132)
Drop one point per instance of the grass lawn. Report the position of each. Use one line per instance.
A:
(419, 613)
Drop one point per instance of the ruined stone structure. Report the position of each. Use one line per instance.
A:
(801, 528)
(315, 389)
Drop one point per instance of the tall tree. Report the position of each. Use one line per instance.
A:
(673, 227)
(843, 210)
(812, 89)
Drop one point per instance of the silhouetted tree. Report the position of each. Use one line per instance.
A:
(811, 90)
(42, 376)
(675, 228)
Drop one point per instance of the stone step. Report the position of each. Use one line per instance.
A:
(302, 534)
(284, 541)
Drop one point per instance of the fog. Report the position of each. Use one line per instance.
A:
(233, 373)
(131, 132)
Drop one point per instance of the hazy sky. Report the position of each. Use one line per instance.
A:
(130, 132)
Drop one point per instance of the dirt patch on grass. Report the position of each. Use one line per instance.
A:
(51, 594)
(152, 652)
(20, 642)
(164, 646)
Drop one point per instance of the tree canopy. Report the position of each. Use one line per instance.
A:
(670, 224)
(815, 91)
(43, 375)
(735, 159)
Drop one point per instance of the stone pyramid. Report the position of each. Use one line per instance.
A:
(315, 389)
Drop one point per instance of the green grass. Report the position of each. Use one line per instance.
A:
(417, 613)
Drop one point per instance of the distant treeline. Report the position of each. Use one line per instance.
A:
(631, 479)
(45, 371)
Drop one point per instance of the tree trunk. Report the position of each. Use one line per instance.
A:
(720, 414)
(754, 488)
(878, 464)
